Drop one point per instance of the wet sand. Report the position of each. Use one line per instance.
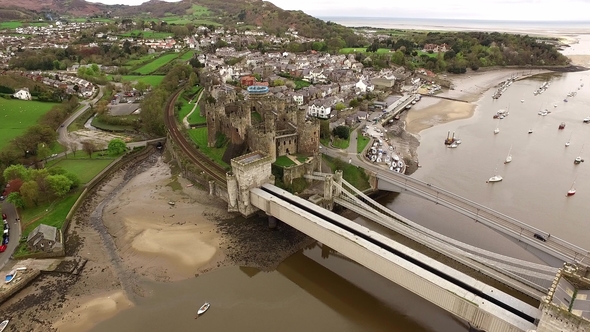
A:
(469, 88)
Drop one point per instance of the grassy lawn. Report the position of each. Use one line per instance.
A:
(341, 143)
(199, 136)
(154, 65)
(147, 34)
(301, 84)
(302, 159)
(325, 141)
(196, 117)
(17, 115)
(361, 143)
(53, 214)
(85, 169)
(187, 56)
(153, 80)
(142, 59)
(255, 117)
(185, 110)
(431, 55)
(10, 25)
(352, 174)
(284, 161)
(96, 122)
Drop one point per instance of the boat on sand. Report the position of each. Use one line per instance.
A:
(3, 325)
(10, 276)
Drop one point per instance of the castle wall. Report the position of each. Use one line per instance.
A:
(286, 144)
(297, 171)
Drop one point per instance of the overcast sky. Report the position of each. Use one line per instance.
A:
(524, 10)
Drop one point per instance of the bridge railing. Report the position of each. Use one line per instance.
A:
(480, 211)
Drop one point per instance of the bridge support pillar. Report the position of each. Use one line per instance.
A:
(338, 180)
(211, 188)
(272, 222)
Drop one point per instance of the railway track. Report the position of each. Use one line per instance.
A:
(202, 161)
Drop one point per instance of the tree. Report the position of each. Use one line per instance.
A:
(43, 151)
(324, 129)
(73, 147)
(339, 106)
(14, 185)
(116, 147)
(16, 172)
(341, 131)
(16, 199)
(30, 192)
(89, 147)
(353, 103)
(59, 184)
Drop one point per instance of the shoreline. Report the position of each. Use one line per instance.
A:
(129, 233)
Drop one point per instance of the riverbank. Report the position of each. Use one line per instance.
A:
(130, 233)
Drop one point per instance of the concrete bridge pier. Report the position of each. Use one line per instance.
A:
(211, 188)
(272, 222)
(337, 180)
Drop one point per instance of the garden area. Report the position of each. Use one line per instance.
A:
(361, 143)
(18, 115)
(199, 136)
(354, 175)
(183, 108)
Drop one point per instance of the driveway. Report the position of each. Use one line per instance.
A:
(15, 232)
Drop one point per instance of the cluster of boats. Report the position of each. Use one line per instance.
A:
(393, 161)
(501, 114)
(542, 88)
(503, 86)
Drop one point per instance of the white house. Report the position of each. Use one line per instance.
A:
(364, 86)
(298, 99)
(22, 94)
(319, 110)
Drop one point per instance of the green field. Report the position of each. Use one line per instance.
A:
(431, 55)
(199, 136)
(352, 174)
(187, 56)
(175, 20)
(143, 59)
(85, 169)
(53, 214)
(17, 115)
(341, 143)
(361, 143)
(200, 10)
(10, 25)
(146, 34)
(154, 65)
(153, 80)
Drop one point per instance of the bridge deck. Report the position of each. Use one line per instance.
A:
(359, 244)
(507, 225)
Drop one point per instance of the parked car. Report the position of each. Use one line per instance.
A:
(2, 248)
(539, 237)
(4, 217)
(5, 240)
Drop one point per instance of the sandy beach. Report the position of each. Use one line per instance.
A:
(468, 88)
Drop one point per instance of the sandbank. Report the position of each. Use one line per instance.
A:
(86, 312)
(161, 241)
(468, 88)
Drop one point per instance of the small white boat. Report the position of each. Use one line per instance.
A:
(572, 190)
(453, 145)
(497, 130)
(578, 160)
(3, 325)
(457, 141)
(522, 100)
(10, 276)
(567, 143)
(509, 156)
(530, 131)
(203, 308)
(495, 178)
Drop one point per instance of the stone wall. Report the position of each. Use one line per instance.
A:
(554, 319)
(286, 144)
(293, 172)
(249, 171)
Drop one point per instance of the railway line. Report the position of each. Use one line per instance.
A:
(214, 170)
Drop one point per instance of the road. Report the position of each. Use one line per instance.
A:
(504, 224)
(15, 232)
(63, 136)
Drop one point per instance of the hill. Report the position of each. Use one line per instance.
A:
(250, 13)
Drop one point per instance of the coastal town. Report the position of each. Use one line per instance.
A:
(130, 175)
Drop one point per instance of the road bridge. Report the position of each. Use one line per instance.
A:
(482, 306)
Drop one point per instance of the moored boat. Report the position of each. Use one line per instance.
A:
(495, 178)
(572, 190)
(203, 308)
(508, 157)
(561, 125)
(10, 276)
(3, 324)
